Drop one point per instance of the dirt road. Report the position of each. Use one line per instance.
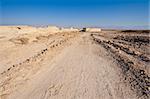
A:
(81, 69)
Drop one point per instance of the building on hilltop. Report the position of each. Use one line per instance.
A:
(91, 30)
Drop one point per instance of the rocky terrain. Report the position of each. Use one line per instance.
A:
(54, 63)
(130, 50)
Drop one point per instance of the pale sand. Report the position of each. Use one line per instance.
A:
(64, 65)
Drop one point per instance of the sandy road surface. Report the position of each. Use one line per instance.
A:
(79, 70)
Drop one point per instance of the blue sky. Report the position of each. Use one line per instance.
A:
(78, 13)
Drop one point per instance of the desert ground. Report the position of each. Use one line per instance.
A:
(59, 63)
